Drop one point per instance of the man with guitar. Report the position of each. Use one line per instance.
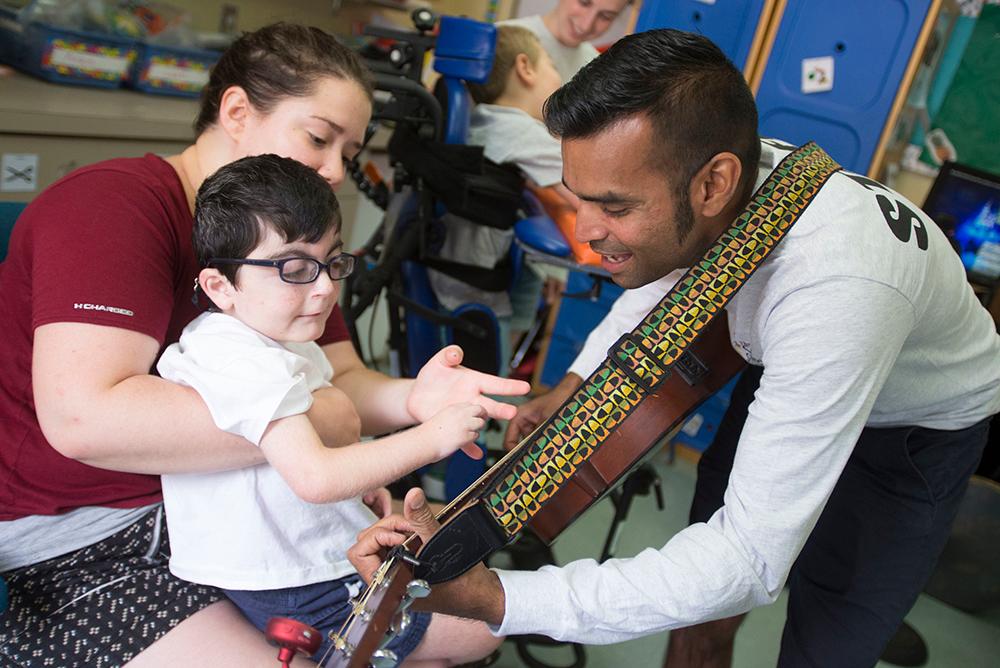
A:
(873, 372)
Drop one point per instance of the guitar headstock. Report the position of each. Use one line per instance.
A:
(381, 612)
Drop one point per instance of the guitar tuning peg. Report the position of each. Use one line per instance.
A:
(341, 645)
(398, 626)
(384, 658)
(417, 589)
(359, 610)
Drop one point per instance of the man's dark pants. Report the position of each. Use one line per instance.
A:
(876, 542)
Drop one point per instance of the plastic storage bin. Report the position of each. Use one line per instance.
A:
(172, 70)
(65, 56)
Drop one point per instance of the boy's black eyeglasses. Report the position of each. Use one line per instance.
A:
(300, 270)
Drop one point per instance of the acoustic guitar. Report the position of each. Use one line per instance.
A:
(470, 529)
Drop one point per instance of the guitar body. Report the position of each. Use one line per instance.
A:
(659, 414)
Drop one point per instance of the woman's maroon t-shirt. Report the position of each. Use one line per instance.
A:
(109, 244)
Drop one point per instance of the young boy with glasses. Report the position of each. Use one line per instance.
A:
(274, 536)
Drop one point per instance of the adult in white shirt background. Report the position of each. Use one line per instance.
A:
(566, 31)
(873, 374)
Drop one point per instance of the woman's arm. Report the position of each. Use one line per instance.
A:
(379, 400)
(97, 403)
(387, 403)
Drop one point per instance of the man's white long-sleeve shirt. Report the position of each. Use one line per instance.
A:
(854, 326)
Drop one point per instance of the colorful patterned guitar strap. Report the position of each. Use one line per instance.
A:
(641, 359)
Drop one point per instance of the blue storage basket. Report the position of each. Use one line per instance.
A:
(63, 55)
(172, 70)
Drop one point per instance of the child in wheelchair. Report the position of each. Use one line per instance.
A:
(507, 123)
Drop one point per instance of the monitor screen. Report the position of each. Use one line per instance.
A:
(965, 203)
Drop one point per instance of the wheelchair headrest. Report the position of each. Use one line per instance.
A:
(463, 52)
(465, 49)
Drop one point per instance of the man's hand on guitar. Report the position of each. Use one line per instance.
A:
(534, 412)
(477, 594)
(375, 542)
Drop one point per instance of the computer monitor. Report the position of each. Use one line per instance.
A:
(965, 203)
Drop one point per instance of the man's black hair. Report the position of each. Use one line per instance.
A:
(235, 205)
(697, 100)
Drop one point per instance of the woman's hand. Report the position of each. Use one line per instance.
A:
(379, 501)
(444, 381)
(334, 417)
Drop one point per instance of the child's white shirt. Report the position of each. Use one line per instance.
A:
(246, 529)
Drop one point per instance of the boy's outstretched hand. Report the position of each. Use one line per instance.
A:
(443, 381)
(454, 427)
(476, 594)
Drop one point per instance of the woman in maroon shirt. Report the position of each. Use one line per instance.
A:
(97, 282)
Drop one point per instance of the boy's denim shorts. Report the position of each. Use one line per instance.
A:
(325, 606)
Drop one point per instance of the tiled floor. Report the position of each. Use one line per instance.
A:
(954, 638)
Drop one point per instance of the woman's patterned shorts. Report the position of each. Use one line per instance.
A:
(100, 605)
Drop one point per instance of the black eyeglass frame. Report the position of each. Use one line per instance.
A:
(346, 258)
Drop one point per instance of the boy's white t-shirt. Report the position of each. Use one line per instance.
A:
(246, 529)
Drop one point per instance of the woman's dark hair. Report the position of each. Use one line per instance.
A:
(276, 62)
(237, 203)
(698, 102)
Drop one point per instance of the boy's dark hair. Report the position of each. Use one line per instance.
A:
(279, 61)
(697, 100)
(235, 205)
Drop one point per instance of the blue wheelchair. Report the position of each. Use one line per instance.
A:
(436, 177)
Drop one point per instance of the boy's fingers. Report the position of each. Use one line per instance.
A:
(472, 450)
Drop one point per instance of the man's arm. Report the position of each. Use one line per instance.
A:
(477, 594)
(823, 371)
(624, 315)
(97, 402)
(825, 361)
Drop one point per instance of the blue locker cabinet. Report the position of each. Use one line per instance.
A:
(862, 51)
(736, 26)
